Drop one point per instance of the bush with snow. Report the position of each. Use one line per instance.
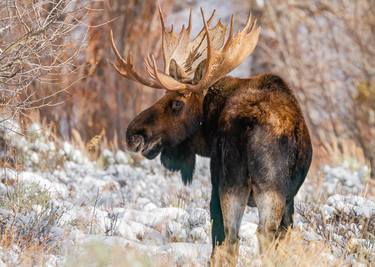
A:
(347, 223)
(344, 179)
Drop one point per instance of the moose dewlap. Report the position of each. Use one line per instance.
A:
(252, 129)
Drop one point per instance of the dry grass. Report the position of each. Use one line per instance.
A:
(115, 255)
(295, 251)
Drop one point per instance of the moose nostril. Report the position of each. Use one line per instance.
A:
(136, 139)
(135, 142)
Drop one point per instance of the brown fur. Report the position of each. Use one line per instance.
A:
(256, 98)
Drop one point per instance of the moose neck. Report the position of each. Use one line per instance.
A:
(199, 143)
(182, 157)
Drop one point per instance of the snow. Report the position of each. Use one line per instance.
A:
(122, 200)
(56, 189)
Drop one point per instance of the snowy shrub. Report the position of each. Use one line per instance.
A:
(343, 179)
(111, 223)
(346, 223)
(122, 158)
(39, 227)
(338, 179)
(176, 232)
(198, 234)
(35, 148)
(23, 198)
(108, 157)
(29, 218)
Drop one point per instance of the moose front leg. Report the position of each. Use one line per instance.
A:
(217, 227)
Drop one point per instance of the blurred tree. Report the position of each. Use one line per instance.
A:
(364, 122)
(323, 49)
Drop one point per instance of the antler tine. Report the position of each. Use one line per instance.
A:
(188, 28)
(161, 17)
(114, 48)
(126, 68)
(250, 23)
(211, 17)
(230, 35)
(231, 27)
(209, 47)
(189, 23)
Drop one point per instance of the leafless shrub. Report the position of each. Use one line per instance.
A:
(37, 51)
(111, 223)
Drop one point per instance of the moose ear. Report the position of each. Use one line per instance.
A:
(180, 158)
(199, 71)
(176, 71)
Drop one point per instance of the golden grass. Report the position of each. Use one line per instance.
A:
(293, 251)
(97, 253)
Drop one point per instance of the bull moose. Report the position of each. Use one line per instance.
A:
(252, 129)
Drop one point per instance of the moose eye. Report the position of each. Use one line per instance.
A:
(177, 105)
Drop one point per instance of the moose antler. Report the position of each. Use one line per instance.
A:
(126, 68)
(185, 53)
(208, 47)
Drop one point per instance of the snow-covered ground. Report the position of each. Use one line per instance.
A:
(80, 209)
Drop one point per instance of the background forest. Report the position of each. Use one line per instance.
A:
(55, 58)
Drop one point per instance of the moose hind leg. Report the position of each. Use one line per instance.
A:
(271, 205)
(233, 202)
(234, 191)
